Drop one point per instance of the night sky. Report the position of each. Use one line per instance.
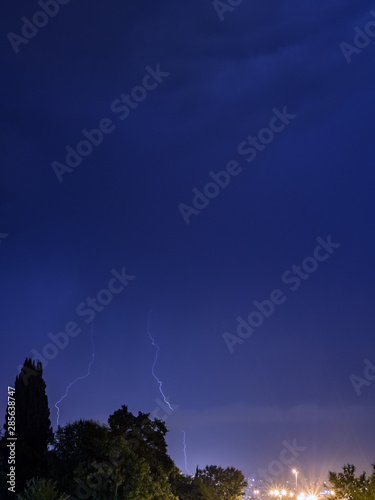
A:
(265, 92)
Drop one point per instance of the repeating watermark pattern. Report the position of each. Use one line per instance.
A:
(86, 309)
(122, 108)
(368, 377)
(292, 277)
(276, 467)
(168, 408)
(361, 39)
(29, 29)
(11, 445)
(248, 148)
(222, 7)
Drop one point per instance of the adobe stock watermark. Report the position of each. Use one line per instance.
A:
(368, 377)
(161, 405)
(30, 28)
(276, 467)
(221, 7)
(122, 108)
(292, 277)
(85, 309)
(249, 148)
(361, 39)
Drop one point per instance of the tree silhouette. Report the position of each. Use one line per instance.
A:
(146, 439)
(145, 436)
(33, 426)
(125, 459)
(92, 463)
(190, 488)
(223, 484)
(348, 485)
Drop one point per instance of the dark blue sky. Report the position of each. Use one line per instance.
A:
(121, 207)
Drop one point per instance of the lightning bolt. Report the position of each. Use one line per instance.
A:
(160, 384)
(78, 378)
(185, 453)
(154, 364)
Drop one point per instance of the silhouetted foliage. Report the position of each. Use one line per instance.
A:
(126, 459)
(224, 484)
(190, 488)
(347, 485)
(77, 444)
(146, 438)
(41, 489)
(92, 462)
(33, 426)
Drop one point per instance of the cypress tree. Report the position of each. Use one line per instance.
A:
(33, 425)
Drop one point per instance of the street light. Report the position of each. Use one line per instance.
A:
(295, 472)
(281, 494)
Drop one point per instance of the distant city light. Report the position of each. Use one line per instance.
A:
(282, 493)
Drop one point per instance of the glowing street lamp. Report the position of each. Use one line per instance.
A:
(275, 493)
(281, 494)
(295, 472)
